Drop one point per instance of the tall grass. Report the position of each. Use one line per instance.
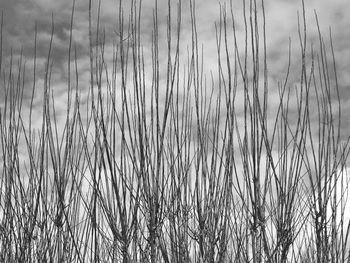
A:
(156, 161)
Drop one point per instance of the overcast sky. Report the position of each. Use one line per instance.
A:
(20, 17)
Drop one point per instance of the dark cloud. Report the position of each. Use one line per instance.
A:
(21, 16)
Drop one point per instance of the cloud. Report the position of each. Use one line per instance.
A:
(20, 17)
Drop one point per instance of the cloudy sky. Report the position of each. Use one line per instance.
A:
(21, 16)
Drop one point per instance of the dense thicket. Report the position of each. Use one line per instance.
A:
(156, 160)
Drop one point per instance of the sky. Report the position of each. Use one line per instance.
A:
(21, 16)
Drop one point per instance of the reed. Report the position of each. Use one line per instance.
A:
(156, 160)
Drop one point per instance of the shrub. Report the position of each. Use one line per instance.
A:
(154, 161)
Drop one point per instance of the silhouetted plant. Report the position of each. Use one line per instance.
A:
(161, 163)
